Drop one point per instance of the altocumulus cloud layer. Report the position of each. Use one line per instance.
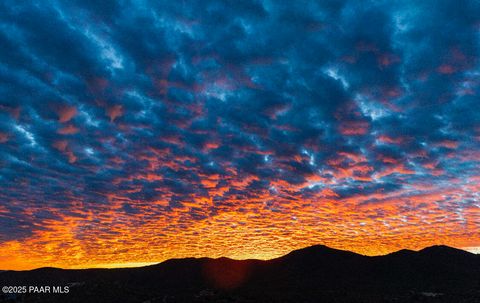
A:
(140, 131)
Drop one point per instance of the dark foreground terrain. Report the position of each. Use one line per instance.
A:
(313, 274)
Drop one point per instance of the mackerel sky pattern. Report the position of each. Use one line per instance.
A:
(137, 131)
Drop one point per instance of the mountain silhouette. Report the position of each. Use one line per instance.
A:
(313, 274)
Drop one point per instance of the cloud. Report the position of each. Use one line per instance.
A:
(236, 126)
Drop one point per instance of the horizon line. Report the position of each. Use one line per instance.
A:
(470, 249)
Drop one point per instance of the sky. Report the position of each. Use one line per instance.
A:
(132, 132)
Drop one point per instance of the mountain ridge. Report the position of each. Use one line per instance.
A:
(307, 248)
(311, 274)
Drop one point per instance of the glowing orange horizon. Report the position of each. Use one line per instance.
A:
(17, 264)
(263, 227)
(252, 230)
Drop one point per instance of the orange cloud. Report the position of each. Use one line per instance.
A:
(390, 140)
(354, 128)
(68, 130)
(115, 111)
(63, 146)
(66, 113)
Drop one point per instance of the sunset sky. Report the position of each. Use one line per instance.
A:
(135, 132)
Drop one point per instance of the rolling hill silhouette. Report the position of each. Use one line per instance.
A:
(312, 274)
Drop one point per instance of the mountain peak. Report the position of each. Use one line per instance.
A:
(443, 249)
(318, 250)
